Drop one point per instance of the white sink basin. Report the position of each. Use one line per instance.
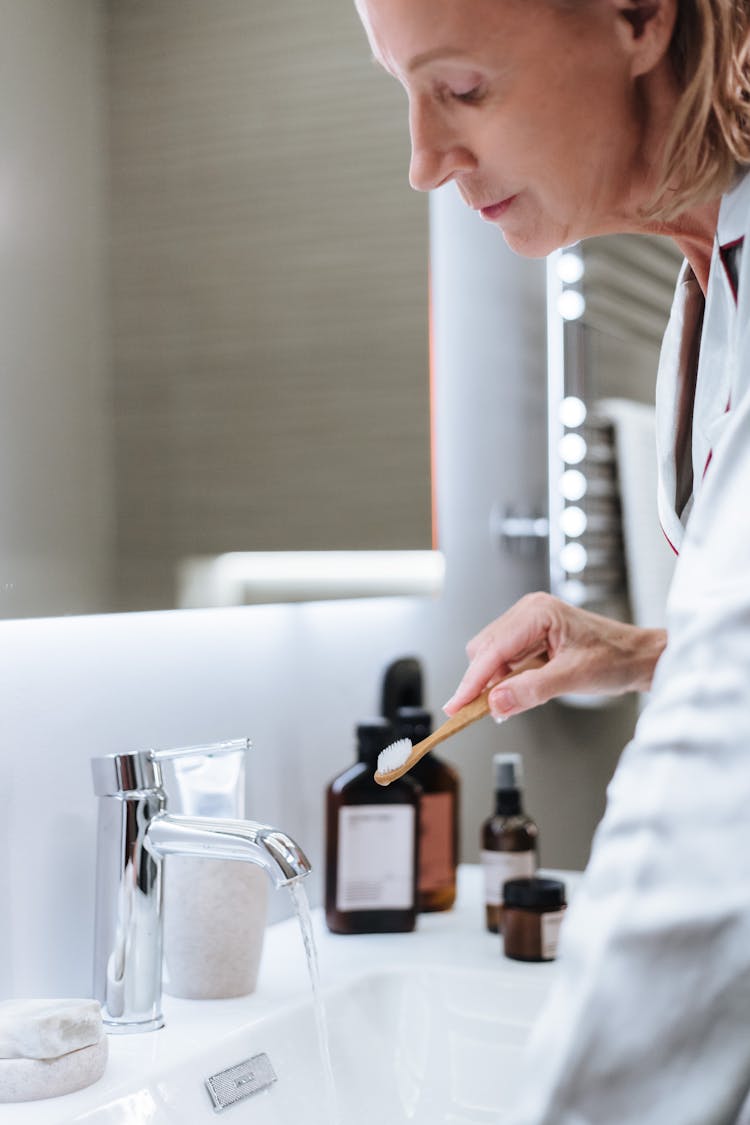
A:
(424, 1028)
(416, 1045)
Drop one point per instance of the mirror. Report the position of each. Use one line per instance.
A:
(608, 303)
(215, 322)
(628, 286)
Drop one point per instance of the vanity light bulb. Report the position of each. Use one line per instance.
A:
(572, 412)
(570, 267)
(572, 449)
(573, 522)
(574, 591)
(571, 304)
(573, 558)
(573, 484)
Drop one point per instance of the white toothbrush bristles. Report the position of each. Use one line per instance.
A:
(394, 756)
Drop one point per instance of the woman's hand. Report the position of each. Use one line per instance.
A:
(587, 654)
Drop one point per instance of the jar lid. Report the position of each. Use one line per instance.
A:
(544, 894)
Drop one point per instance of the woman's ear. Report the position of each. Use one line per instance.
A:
(645, 28)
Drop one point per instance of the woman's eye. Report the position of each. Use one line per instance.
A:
(465, 91)
(468, 97)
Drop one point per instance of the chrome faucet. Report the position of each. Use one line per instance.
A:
(135, 833)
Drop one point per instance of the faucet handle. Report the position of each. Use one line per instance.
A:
(125, 773)
(141, 769)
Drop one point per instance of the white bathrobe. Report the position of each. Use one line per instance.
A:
(649, 1021)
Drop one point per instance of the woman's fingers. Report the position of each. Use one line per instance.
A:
(485, 667)
(521, 632)
(531, 689)
(586, 653)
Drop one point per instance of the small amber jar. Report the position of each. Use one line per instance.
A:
(532, 912)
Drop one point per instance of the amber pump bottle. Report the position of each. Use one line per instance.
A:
(509, 838)
(438, 815)
(372, 844)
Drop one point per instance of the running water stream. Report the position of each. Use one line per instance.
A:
(302, 909)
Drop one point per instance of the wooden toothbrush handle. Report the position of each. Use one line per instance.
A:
(477, 709)
(466, 715)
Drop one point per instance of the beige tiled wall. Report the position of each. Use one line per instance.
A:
(270, 269)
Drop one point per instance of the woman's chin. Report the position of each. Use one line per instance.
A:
(531, 233)
(529, 243)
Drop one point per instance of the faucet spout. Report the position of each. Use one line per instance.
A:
(202, 837)
(135, 833)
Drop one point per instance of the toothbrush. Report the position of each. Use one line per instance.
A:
(398, 758)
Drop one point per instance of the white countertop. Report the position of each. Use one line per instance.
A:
(457, 938)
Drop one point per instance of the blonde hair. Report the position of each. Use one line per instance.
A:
(710, 134)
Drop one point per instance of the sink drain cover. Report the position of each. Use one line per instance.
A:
(240, 1081)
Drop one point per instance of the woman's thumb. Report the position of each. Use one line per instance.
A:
(523, 690)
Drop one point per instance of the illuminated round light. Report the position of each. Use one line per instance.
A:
(572, 412)
(573, 522)
(570, 268)
(573, 558)
(574, 591)
(571, 304)
(572, 449)
(573, 484)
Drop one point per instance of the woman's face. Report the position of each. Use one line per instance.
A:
(530, 107)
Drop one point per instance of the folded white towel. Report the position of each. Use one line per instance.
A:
(649, 559)
(47, 1029)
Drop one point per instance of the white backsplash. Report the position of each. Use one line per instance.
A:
(80, 687)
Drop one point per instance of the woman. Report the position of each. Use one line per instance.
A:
(559, 120)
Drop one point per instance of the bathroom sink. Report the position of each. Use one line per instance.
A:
(419, 1045)
(425, 1027)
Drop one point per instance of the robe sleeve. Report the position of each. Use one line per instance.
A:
(648, 1022)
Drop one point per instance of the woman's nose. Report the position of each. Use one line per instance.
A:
(437, 155)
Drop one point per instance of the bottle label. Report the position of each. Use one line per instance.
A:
(498, 867)
(550, 933)
(436, 859)
(376, 858)
(550, 929)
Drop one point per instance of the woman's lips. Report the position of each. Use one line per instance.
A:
(495, 210)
